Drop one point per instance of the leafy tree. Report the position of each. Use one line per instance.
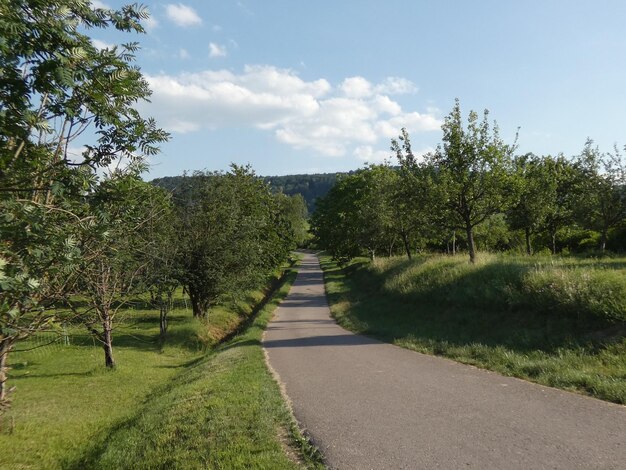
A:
(294, 211)
(566, 180)
(54, 85)
(534, 195)
(159, 250)
(113, 253)
(230, 235)
(355, 216)
(603, 206)
(471, 168)
(415, 201)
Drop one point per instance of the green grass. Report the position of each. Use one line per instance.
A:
(179, 406)
(555, 321)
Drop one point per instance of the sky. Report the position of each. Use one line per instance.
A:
(297, 86)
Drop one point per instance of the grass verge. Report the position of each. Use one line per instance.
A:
(492, 315)
(178, 406)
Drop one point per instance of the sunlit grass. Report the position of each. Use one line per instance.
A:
(177, 405)
(556, 321)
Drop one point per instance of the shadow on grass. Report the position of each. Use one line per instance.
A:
(469, 309)
(161, 399)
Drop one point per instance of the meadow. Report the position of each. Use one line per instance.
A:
(203, 398)
(558, 321)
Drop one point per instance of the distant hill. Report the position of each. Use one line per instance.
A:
(310, 186)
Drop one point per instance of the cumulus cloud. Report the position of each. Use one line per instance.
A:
(354, 118)
(100, 45)
(216, 50)
(151, 23)
(182, 15)
(100, 4)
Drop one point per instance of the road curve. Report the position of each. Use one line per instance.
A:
(368, 404)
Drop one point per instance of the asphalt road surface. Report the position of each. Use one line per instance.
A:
(371, 405)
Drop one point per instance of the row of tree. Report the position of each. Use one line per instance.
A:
(81, 235)
(474, 186)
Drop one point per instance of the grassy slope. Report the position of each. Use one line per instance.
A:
(537, 319)
(180, 407)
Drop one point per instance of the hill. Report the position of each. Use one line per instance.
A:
(311, 187)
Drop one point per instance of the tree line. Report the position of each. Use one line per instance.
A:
(310, 187)
(81, 235)
(474, 189)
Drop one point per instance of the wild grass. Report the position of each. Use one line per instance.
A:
(556, 321)
(183, 404)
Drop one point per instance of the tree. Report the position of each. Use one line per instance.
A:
(159, 249)
(231, 235)
(604, 186)
(415, 199)
(294, 211)
(534, 193)
(358, 214)
(471, 168)
(565, 180)
(114, 252)
(54, 85)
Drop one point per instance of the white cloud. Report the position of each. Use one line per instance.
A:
(99, 4)
(306, 114)
(151, 23)
(396, 86)
(182, 15)
(217, 50)
(183, 54)
(367, 154)
(356, 87)
(100, 45)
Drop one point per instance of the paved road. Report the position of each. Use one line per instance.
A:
(367, 404)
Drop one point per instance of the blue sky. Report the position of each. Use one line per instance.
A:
(295, 86)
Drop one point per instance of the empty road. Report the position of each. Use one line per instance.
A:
(371, 405)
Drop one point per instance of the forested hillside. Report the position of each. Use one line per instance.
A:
(311, 187)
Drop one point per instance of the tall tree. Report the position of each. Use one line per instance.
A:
(471, 167)
(604, 187)
(535, 192)
(229, 235)
(113, 249)
(54, 85)
(416, 202)
(566, 180)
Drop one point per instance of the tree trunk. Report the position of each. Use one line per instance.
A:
(529, 249)
(603, 239)
(470, 242)
(195, 302)
(407, 246)
(163, 319)
(5, 348)
(554, 243)
(453, 242)
(373, 255)
(107, 342)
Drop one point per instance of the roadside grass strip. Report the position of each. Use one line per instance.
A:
(555, 321)
(182, 407)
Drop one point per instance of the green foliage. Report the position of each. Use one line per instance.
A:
(54, 85)
(310, 187)
(355, 215)
(471, 168)
(232, 234)
(603, 183)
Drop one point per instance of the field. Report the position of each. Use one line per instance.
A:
(192, 402)
(558, 321)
